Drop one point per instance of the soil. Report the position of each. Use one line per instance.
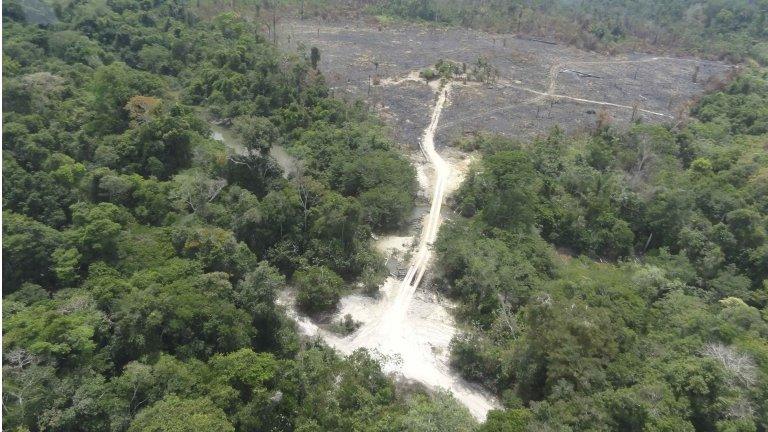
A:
(354, 53)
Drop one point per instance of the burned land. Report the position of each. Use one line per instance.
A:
(539, 84)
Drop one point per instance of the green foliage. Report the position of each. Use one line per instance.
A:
(438, 413)
(319, 289)
(418, 9)
(61, 330)
(428, 74)
(27, 247)
(740, 107)
(74, 47)
(487, 271)
(174, 414)
(650, 339)
(511, 420)
(111, 88)
(732, 30)
(177, 309)
(503, 189)
(142, 263)
(245, 370)
(258, 133)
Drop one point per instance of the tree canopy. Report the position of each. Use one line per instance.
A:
(142, 260)
(617, 280)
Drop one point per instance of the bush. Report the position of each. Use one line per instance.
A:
(428, 74)
(319, 289)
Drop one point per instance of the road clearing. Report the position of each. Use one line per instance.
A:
(411, 334)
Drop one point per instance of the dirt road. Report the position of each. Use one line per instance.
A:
(412, 336)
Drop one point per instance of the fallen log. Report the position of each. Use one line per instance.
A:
(537, 40)
(582, 74)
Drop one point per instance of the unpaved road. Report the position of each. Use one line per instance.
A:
(412, 335)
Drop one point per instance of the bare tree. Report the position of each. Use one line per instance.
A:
(22, 380)
(196, 190)
(508, 319)
(741, 366)
(19, 358)
(643, 162)
(308, 189)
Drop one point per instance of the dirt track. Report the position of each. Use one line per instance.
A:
(412, 335)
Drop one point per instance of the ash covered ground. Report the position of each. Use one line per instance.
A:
(353, 53)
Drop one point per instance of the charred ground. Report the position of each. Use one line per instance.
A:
(537, 87)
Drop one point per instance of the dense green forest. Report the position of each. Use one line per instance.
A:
(615, 280)
(619, 280)
(736, 30)
(141, 260)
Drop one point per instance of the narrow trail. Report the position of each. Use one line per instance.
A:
(545, 95)
(414, 346)
(391, 322)
(555, 69)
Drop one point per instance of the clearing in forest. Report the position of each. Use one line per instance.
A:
(539, 85)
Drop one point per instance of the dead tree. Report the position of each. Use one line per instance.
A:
(314, 57)
(308, 189)
(196, 191)
(274, 26)
(508, 319)
(741, 366)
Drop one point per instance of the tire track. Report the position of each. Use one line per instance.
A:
(554, 71)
